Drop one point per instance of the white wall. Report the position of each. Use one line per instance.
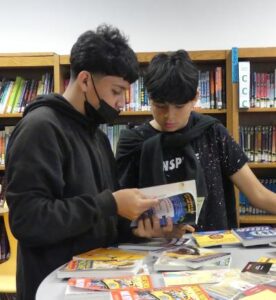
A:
(152, 25)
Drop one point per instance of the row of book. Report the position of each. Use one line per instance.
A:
(262, 89)
(16, 94)
(246, 208)
(259, 142)
(256, 89)
(212, 89)
(113, 133)
(5, 134)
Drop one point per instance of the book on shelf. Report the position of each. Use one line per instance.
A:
(193, 292)
(189, 257)
(255, 235)
(197, 276)
(244, 84)
(176, 200)
(141, 282)
(215, 238)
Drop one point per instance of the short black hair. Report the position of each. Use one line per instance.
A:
(172, 77)
(104, 51)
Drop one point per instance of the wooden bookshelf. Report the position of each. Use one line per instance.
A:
(261, 60)
(262, 219)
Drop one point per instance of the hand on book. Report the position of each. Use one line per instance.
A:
(131, 203)
(150, 228)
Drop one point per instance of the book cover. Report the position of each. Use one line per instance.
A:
(189, 257)
(124, 282)
(234, 286)
(256, 235)
(197, 276)
(262, 268)
(215, 238)
(110, 254)
(261, 291)
(244, 84)
(101, 269)
(176, 200)
(193, 292)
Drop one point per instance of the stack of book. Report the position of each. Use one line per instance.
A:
(103, 262)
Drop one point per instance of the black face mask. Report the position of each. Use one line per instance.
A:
(104, 114)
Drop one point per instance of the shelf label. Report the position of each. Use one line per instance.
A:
(235, 65)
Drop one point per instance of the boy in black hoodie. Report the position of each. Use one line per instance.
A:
(62, 188)
(193, 146)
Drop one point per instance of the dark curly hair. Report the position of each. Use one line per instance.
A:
(104, 51)
(172, 77)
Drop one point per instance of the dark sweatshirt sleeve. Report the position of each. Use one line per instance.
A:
(40, 213)
(128, 157)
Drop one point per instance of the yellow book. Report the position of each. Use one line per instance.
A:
(265, 259)
(111, 254)
(215, 238)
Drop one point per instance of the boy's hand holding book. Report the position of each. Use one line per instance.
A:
(131, 203)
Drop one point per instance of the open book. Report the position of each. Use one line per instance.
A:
(178, 201)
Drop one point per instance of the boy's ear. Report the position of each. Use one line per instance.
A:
(83, 80)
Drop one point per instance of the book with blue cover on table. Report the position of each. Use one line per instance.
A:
(255, 235)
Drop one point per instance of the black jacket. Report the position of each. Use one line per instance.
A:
(60, 177)
(143, 152)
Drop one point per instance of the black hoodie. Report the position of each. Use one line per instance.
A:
(60, 176)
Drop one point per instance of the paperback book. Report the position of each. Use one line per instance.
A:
(257, 235)
(261, 268)
(235, 287)
(105, 284)
(197, 276)
(103, 262)
(110, 254)
(215, 238)
(190, 257)
(193, 292)
(101, 269)
(176, 200)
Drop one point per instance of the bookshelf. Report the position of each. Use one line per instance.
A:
(262, 60)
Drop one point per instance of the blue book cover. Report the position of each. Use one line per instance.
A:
(257, 235)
